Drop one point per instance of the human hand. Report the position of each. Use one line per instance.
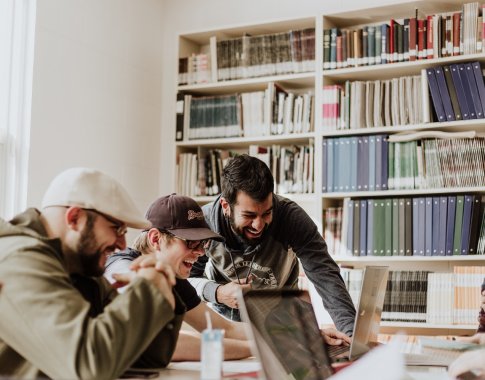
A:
(151, 274)
(227, 294)
(334, 337)
(468, 361)
(152, 260)
(477, 338)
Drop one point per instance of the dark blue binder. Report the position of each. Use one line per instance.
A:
(435, 95)
(435, 226)
(465, 229)
(350, 228)
(467, 91)
(445, 95)
(428, 226)
(475, 224)
(460, 92)
(477, 71)
(450, 224)
(474, 90)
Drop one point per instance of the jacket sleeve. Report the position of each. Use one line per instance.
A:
(319, 267)
(45, 319)
(205, 288)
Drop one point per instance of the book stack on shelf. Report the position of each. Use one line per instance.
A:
(411, 38)
(426, 297)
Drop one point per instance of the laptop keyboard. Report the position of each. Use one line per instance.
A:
(334, 351)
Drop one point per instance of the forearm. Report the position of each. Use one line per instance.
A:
(188, 348)
(206, 289)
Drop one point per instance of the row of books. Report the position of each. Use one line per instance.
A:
(436, 163)
(379, 103)
(380, 162)
(420, 226)
(259, 113)
(194, 69)
(427, 297)
(408, 39)
(292, 168)
(444, 93)
(252, 56)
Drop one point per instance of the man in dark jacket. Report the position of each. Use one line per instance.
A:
(265, 235)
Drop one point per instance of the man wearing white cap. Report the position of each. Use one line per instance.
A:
(58, 316)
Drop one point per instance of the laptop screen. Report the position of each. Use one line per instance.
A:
(286, 334)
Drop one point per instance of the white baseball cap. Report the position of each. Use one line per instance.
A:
(92, 189)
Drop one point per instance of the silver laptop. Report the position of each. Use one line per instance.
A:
(368, 317)
(284, 334)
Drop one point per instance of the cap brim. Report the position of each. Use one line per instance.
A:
(141, 224)
(196, 234)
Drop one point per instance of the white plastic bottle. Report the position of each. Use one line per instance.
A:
(212, 352)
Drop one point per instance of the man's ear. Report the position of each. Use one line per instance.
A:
(154, 237)
(73, 216)
(226, 209)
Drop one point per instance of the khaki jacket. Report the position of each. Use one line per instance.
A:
(48, 328)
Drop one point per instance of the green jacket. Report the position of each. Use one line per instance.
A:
(48, 327)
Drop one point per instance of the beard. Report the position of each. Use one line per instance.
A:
(88, 254)
(239, 231)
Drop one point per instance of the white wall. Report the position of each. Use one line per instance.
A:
(183, 16)
(97, 93)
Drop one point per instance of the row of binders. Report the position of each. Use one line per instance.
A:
(273, 111)
(407, 39)
(420, 226)
(427, 297)
(382, 162)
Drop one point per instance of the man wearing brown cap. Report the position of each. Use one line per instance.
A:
(178, 236)
(58, 316)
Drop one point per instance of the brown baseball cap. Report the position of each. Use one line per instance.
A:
(181, 216)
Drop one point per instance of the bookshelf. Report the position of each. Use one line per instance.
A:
(316, 201)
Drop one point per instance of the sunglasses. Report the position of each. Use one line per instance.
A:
(195, 244)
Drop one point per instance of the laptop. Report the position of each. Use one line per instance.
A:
(368, 316)
(285, 334)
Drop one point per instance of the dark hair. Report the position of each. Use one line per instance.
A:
(248, 174)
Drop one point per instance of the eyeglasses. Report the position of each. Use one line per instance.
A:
(195, 244)
(119, 227)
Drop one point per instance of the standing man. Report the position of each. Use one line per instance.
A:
(58, 316)
(265, 235)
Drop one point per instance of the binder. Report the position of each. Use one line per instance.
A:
(477, 71)
(467, 90)
(460, 92)
(452, 92)
(450, 224)
(474, 90)
(435, 95)
(445, 96)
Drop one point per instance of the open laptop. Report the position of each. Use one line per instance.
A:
(286, 335)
